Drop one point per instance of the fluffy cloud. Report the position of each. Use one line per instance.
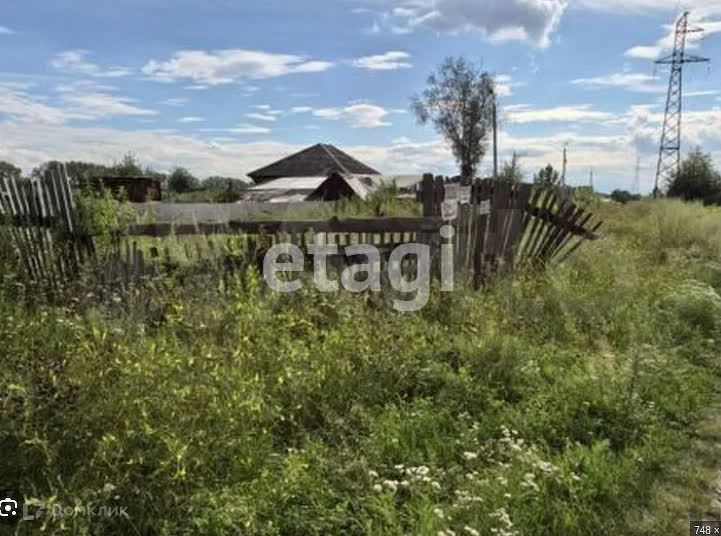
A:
(523, 114)
(265, 113)
(384, 62)
(358, 115)
(532, 21)
(4, 30)
(637, 82)
(247, 128)
(702, 7)
(177, 101)
(191, 119)
(230, 65)
(505, 85)
(99, 105)
(261, 117)
(22, 106)
(613, 155)
(704, 18)
(75, 62)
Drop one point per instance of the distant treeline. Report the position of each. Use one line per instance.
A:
(180, 185)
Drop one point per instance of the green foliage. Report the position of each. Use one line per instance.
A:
(181, 181)
(103, 215)
(459, 101)
(511, 171)
(585, 197)
(547, 177)
(9, 170)
(697, 180)
(127, 167)
(223, 189)
(623, 196)
(550, 404)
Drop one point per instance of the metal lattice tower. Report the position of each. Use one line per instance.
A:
(669, 157)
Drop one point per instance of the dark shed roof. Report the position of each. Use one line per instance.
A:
(318, 160)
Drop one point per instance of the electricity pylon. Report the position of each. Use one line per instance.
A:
(669, 155)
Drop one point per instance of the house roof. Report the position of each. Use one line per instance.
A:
(291, 183)
(293, 188)
(318, 160)
(303, 188)
(402, 182)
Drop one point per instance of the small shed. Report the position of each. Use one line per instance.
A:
(138, 189)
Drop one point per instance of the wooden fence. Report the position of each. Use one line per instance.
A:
(501, 226)
(40, 216)
(498, 227)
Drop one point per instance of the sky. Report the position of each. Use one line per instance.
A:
(223, 87)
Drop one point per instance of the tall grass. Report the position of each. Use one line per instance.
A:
(549, 404)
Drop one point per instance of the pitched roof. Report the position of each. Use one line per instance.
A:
(318, 160)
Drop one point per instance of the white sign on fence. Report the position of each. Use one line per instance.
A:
(449, 210)
(464, 195)
(484, 208)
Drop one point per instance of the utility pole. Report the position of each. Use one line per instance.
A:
(565, 165)
(590, 179)
(636, 187)
(495, 139)
(669, 154)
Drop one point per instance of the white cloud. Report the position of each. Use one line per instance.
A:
(523, 114)
(23, 107)
(384, 62)
(191, 119)
(702, 18)
(75, 62)
(77, 104)
(177, 101)
(4, 30)
(30, 145)
(532, 21)
(358, 115)
(642, 7)
(505, 85)
(229, 65)
(261, 117)
(247, 128)
(99, 105)
(700, 93)
(636, 82)
(612, 155)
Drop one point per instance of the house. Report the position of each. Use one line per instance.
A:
(317, 161)
(323, 173)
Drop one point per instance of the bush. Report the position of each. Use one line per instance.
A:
(181, 181)
(697, 179)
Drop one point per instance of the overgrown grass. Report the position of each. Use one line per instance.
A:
(552, 404)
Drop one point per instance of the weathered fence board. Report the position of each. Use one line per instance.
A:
(498, 226)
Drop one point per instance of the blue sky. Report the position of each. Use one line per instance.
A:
(223, 87)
